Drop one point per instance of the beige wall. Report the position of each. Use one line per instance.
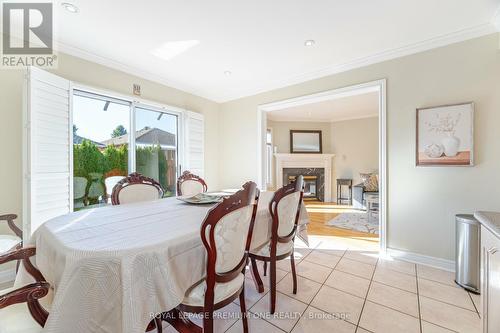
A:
(355, 145)
(421, 201)
(281, 133)
(91, 74)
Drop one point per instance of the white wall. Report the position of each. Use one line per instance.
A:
(421, 201)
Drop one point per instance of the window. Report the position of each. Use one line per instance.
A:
(156, 147)
(79, 144)
(101, 127)
(269, 158)
(107, 146)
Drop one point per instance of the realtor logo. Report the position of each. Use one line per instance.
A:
(27, 34)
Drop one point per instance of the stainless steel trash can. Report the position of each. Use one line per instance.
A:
(468, 243)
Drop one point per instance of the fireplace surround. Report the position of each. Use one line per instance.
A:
(314, 181)
(319, 165)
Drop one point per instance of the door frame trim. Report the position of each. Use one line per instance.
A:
(379, 86)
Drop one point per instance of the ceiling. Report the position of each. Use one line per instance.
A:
(345, 108)
(260, 42)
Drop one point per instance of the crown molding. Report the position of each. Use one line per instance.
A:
(443, 40)
(108, 62)
(333, 120)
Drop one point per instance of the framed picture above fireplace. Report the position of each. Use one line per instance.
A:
(306, 142)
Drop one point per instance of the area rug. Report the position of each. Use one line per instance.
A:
(356, 220)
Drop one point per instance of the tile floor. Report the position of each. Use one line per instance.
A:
(343, 286)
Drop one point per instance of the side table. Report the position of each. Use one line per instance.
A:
(344, 182)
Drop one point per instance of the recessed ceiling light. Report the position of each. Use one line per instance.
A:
(309, 42)
(170, 50)
(70, 7)
(227, 73)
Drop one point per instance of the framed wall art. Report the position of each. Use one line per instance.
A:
(445, 135)
(306, 142)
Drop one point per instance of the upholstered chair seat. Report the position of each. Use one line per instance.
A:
(225, 233)
(265, 250)
(16, 302)
(284, 209)
(17, 318)
(7, 242)
(196, 295)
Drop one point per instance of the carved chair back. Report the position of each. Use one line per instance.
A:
(190, 184)
(29, 294)
(285, 210)
(136, 188)
(226, 234)
(10, 222)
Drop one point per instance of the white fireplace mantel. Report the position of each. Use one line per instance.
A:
(324, 161)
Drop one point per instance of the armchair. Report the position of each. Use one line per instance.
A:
(358, 196)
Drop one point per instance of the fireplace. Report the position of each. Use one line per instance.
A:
(307, 165)
(311, 186)
(314, 181)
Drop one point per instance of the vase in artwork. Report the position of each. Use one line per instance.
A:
(450, 144)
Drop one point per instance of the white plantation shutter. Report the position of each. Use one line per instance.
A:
(48, 186)
(194, 132)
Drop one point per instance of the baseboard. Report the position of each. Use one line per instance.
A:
(7, 275)
(447, 265)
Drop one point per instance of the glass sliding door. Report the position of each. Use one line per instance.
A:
(156, 146)
(101, 127)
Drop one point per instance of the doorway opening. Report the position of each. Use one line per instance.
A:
(340, 150)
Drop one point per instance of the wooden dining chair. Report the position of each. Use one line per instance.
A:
(226, 234)
(9, 242)
(284, 209)
(136, 188)
(25, 309)
(189, 184)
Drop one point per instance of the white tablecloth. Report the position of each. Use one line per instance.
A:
(111, 267)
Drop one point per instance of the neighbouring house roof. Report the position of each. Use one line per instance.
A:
(77, 140)
(146, 136)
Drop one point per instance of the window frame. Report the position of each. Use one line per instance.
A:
(269, 159)
(134, 103)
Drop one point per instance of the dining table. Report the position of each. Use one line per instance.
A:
(112, 268)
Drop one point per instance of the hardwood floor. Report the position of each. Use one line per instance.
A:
(320, 213)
